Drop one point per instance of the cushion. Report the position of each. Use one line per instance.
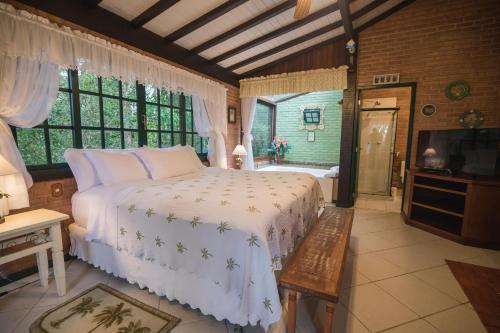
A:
(116, 167)
(83, 171)
(168, 162)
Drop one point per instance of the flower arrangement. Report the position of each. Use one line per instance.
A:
(279, 146)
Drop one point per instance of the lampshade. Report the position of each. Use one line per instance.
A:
(240, 150)
(6, 168)
(430, 152)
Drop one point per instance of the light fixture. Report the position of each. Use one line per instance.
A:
(239, 150)
(6, 170)
(351, 46)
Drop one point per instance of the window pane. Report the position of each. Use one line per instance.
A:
(89, 110)
(110, 86)
(87, 81)
(204, 145)
(151, 94)
(197, 143)
(111, 108)
(262, 130)
(153, 139)
(61, 111)
(189, 139)
(129, 90)
(151, 116)
(131, 139)
(60, 139)
(113, 139)
(165, 97)
(177, 120)
(166, 140)
(177, 139)
(91, 138)
(176, 100)
(63, 79)
(31, 143)
(130, 115)
(166, 119)
(188, 103)
(189, 121)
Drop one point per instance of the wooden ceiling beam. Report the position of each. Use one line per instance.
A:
(368, 8)
(278, 32)
(345, 13)
(383, 15)
(153, 12)
(203, 20)
(92, 3)
(245, 26)
(286, 45)
(290, 56)
(116, 28)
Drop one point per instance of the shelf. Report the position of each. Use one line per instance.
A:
(443, 232)
(440, 189)
(444, 211)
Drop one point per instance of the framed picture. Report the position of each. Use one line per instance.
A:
(310, 136)
(428, 110)
(231, 115)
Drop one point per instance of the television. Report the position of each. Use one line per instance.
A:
(468, 152)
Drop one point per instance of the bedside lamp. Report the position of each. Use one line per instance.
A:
(6, 169)
(239, 151)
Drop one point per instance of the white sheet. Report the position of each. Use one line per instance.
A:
(177, 225)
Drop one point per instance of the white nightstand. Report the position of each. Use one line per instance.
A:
(21, 227)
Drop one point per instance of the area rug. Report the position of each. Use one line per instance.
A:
(482, 287)
(103, 309)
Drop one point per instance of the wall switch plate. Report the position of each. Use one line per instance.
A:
(56, 189)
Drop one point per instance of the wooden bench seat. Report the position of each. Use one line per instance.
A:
(317, 266)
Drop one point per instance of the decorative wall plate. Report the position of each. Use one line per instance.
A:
(428, 110)
(471, 119)
(457, 90)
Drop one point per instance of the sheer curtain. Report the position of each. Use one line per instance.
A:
(210, 122)
(248, 105)
(28, 90)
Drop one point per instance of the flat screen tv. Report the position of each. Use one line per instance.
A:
(474, 152)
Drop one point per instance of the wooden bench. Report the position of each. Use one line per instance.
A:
(317, 266)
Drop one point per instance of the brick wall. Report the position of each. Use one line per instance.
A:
(435, 42)
(326, 146)
(403, 96)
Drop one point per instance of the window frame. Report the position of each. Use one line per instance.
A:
(272, 107)
(51, 171)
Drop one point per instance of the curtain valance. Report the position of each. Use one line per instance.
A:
(296, 82)
(29, 36)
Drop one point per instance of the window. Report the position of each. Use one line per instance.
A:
(95, 112)
(312, 116)
(263, 128)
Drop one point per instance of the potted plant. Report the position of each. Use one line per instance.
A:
(279, 146)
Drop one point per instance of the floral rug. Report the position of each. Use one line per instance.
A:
(104, 309)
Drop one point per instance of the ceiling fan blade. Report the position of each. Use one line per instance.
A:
(302, 9)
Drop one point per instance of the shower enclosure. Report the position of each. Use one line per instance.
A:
(375, 154)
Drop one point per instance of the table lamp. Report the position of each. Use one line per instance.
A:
(239, 150)
(6, 169)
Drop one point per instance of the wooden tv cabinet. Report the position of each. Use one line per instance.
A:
(465, 210)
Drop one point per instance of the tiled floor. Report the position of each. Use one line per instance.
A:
(395, 281)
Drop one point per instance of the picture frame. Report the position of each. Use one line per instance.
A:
(311, 136)
(231, 115)
(428, 110)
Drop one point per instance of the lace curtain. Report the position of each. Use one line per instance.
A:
(297, 82)
(248, 106)
(33, 37)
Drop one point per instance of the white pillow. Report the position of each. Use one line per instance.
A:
(166, 163)
(83, 171)
(116, 167)
(194, 156)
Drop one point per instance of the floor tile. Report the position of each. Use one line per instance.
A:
(352, 276)
(9, 320)
(134, 291)
(414, 257)
(370, 242)
(488, 260)
(184, 312)
(374, 267)
(417, 326)
(406, 235)
(443, 279)
(204, 325)
(376, 309)
(24, 298)
(417, 295)
(34, 313)
(461, 319)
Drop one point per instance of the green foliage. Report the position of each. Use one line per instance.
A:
(262, 129)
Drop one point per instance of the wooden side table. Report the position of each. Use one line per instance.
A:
(18, 228)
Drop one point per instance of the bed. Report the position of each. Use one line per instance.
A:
(212, 238)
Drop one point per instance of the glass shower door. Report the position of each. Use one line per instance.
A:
(377, 132)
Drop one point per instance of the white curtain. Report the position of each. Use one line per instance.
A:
(33, 37)
(28, 90)
(211, 122)
(248, 105)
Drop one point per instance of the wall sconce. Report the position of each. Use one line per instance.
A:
(351, 46)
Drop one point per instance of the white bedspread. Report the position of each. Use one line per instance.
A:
(227, 226)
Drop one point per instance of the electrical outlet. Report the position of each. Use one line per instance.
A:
(56, 189)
